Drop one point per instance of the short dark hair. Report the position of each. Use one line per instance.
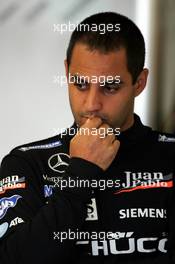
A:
(129, 36)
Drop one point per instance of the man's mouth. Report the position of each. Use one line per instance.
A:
(95, 115)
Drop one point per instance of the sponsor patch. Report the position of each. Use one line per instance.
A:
(3, 229)
(58, 162)
(163, 138)
(45, 146)
(4, 226)
(48, 190)
(8, 202)
(16, 221)
(125, 243)
(92, 211)
(12, 182)
(135, 181)
(142, 213)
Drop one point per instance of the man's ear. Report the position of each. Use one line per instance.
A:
(66, 68)
(141, 82)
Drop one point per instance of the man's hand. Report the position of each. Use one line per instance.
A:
(94, 148)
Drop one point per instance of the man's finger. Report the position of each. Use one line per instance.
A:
(94, 122)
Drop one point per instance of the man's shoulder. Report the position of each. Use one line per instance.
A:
(164, 137)
(163, 142)
(39, 145)
(59, 140)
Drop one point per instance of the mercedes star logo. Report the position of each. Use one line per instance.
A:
(58, 162)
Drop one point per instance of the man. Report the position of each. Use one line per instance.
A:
(94, 197)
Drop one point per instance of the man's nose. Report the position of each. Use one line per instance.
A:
(93, 102)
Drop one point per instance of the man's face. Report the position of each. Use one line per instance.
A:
(110, 101)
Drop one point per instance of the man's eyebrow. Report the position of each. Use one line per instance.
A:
(114, 81)
(79, 77)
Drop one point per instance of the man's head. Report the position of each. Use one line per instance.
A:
(122, 33)
(117, 50)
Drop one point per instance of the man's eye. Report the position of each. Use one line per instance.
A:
(81, 86)
(111, 88)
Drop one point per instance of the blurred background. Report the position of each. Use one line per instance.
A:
(33, 105)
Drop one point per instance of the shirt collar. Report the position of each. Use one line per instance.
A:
(136, 133)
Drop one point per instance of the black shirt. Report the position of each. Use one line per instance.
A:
(54, 209)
